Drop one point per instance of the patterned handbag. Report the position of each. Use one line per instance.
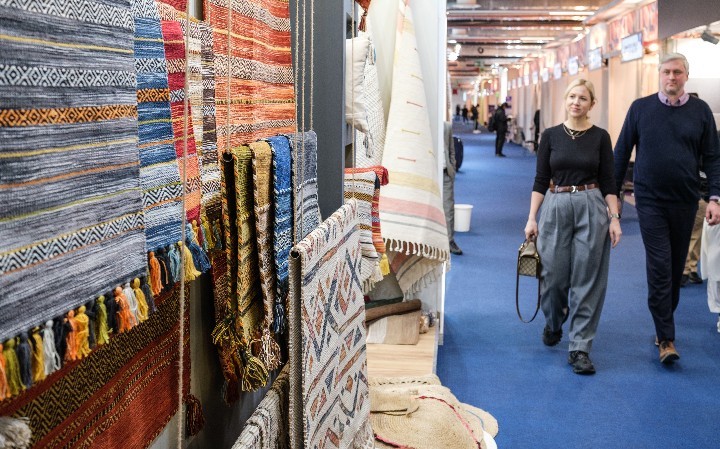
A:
(528, 264)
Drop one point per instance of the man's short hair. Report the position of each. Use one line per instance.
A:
(675, 57)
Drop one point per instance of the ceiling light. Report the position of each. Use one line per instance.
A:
(707, 36)
(570, 13)
(452, 41)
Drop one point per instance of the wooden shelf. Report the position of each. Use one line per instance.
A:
(404, 360)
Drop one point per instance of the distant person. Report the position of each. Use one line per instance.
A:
(670, 131)
(500, 123)
(474, 116)
(457, 112)
(575, 230)
(465, 113)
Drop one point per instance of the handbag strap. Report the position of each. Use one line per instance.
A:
(517, 299)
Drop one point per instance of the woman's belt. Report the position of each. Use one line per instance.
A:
(573, 189)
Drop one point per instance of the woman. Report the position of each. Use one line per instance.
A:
(578, 223)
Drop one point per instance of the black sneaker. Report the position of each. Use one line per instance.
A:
(581, 363)
(551, 338)
(694, 278)
(454, 248)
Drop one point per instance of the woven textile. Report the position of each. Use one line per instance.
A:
(369, 146)
(382, 179)
(360, 186)
(264, 224)
(70, 196)
(159, 174)
(184, 140)
(255, 97)
(282, 232)
(201, 95)
(306, 210)
(411, 206)
(329, 402)
(267, 426)
(125, 392)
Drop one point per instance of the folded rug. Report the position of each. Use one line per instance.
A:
(369, 146)
(360, 186)
(329, 403)
(392, 309)
(71, 209)
(411, 206)
(399, 329)
(306, 210)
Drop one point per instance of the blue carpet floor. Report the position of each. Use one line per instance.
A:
(493, 361)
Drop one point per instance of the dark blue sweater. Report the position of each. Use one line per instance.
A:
(669, 143)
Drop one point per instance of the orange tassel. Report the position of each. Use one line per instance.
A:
(124, 316)
(4, 387)
(71, 353)
(155, 282)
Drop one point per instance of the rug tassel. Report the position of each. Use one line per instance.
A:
(202, 263)
(278, 325)
(24, 360)
(194, 419)
(148, 296)
(38, 357)
(141, 302)
(50, 355)
(189, 266)
(83, 332)
(254, 373)
(384, 265)
(4, 387)
(102, 322)
(71, 351)
(217, 232)
(12, 368)
(208, 242)
(15, 433)
(154, 266)
(125, 318)
(270, 350)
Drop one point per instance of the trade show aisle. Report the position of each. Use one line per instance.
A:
(491, 360)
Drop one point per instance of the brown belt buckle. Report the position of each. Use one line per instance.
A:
(574, 189)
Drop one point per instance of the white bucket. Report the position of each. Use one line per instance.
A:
(463, 212)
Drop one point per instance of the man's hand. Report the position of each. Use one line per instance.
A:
(712, 214)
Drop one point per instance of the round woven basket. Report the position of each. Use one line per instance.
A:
(487, 421)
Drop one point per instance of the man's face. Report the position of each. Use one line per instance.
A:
(673, 77)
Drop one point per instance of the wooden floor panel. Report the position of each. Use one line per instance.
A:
(404, 360)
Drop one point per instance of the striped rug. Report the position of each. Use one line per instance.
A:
(360, 186)
(175, 55)
(411, 208)
(71, 221)
(159, 173)
(306, 209)
(125, 392)
(329, 403)
(254, 90)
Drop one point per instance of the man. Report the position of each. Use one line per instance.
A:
(474, 116)
(449, 164)
(670, 131)
(500, 121)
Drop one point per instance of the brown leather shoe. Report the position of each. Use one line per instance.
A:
(668, 354)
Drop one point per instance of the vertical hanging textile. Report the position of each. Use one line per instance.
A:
(68, 104)
(282, 227)
(264, 221)
(159, 173)
(127, 392)
(369, 146)
(411, 206)
(175, 55)
(242, 320)
(329, 402)
(381, 180)
(267, 427)
(306, 210)
(360, 186)
(201, 86)
(252, 54)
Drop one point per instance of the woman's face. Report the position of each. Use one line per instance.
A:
(578, 102)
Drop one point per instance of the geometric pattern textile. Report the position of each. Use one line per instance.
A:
(127, 391)
(71, 222)
(411, 206)
(369, 147)
(329, 402)
(187, 156)
(159, 174)
(306, 209)
(360, 186)
(267, 426)
(255, 96)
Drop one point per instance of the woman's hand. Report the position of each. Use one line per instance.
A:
(531, 229)
(615, 231)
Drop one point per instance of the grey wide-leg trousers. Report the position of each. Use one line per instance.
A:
(574, 248)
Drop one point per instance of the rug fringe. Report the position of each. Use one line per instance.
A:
(417, 249)
(15, 433)
(428, 279)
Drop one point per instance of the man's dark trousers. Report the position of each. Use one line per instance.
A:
(666, 236)
(499, 140)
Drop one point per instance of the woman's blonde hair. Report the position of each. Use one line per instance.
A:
(581, 82)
